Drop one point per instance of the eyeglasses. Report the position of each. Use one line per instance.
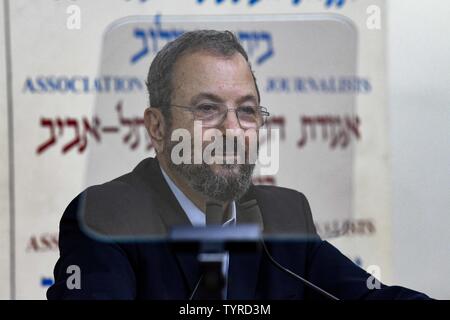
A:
(213, 114)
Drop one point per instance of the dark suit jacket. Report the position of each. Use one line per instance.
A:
(140, 204)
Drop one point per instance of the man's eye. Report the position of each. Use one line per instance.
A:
(248, 109)
(207, 108)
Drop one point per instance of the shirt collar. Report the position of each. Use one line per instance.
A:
(194, 214)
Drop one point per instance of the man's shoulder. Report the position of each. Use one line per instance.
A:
(281, 197)
(277, 191)
(128, 186)
(123, 207)
(285, 211)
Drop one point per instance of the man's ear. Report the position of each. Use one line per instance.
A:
(155, 125)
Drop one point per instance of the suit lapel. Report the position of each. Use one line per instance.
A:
(171, 214)
(167, 208)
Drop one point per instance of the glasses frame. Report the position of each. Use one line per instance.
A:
(263, 110)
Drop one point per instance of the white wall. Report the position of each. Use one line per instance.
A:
(419, 110)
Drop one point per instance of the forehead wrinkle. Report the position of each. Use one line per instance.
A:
(191, 74)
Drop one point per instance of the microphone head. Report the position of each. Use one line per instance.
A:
(249, 213)
(214, 213)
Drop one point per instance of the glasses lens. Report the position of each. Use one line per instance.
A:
(249, 116)
(212, 115)
(209, 113)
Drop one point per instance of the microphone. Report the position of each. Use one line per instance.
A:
(250, 213)
(213, 242)
(214, 213)
(212, 278)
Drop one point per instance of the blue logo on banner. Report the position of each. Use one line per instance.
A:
(258, 44)
(46, 282)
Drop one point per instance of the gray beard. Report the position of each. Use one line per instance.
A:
(224, 187)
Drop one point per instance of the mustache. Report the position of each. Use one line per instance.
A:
(232, 145)
(214, 149)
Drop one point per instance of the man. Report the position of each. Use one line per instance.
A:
(202, 76)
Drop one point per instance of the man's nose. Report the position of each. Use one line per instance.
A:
(231, 122)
